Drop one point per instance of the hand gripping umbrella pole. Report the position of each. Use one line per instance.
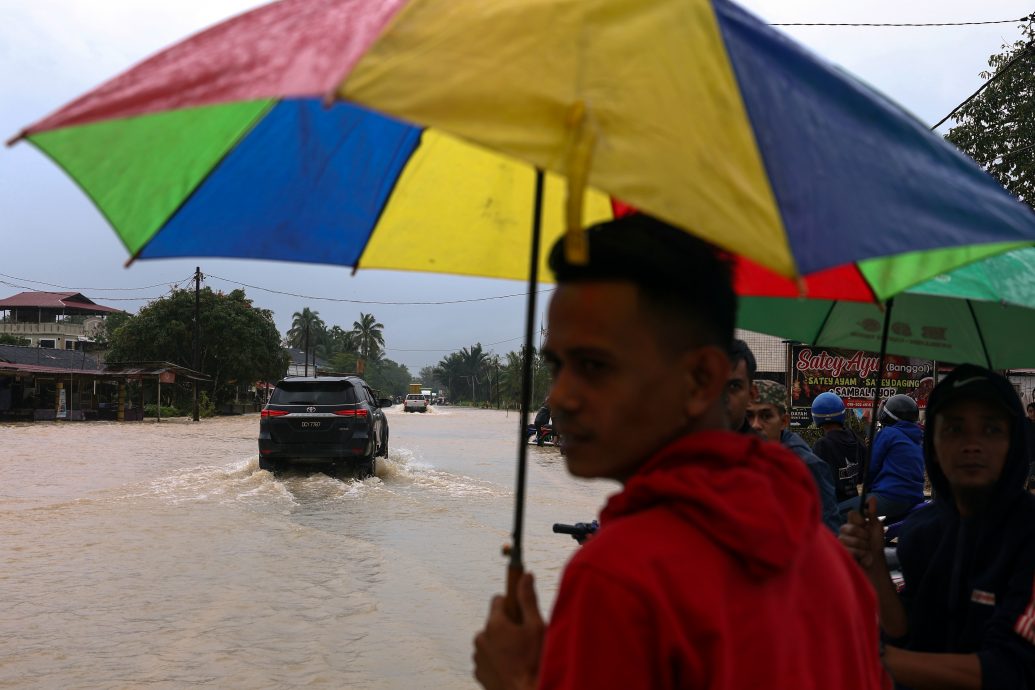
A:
(516, 568)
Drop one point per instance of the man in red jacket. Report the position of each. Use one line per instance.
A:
(711, 568)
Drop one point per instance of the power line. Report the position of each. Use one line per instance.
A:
(453, 349)
(377, 302)
(1027, 50)
(91, 289)
(106, 299)
(903, 24)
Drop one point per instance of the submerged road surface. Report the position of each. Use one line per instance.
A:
(159, 555)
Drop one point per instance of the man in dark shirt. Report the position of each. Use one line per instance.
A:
(965, 617)
(839, 447)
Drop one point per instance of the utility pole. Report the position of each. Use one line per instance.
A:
(306, 353)
(197, 339)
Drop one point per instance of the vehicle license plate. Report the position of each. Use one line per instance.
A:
(311, 425)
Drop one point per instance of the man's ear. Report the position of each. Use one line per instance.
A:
(785, 420)
(707, 371)
(754, 392)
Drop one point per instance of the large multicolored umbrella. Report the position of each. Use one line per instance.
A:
(406, 134)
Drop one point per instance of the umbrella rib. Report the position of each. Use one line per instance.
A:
(388, 198)
(980, 335)
(823, 325)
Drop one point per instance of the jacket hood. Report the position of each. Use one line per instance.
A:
(972, 381)
(755, 499)
(911, 430)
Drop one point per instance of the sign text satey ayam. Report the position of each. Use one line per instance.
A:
(852, 374)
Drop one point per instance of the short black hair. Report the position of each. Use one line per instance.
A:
(1031, 405)
(740, 352)
(687, 281)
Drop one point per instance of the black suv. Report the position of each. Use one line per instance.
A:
(332, 422)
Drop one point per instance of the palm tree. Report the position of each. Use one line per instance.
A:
(368, 336)
(340, 340)
(475, 363)
(299, 320)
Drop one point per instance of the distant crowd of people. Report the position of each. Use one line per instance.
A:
(736, 556)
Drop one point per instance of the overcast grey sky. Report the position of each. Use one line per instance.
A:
(54, 50)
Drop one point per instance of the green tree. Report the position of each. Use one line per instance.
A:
(388, 377)
(340, 341)
(429, 376)
(449, 371)
(299, 321)
(997, 127)
(112, 322)
(11, 339)
(239, 344)
(510, 379)
(368, 335)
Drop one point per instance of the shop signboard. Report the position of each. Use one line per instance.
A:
(852, 374)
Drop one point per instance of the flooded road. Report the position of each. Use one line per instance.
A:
(159, 554)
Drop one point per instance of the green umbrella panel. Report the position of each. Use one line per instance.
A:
(983, 313)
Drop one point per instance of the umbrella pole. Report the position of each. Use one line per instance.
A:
(516, 568)
(876, 404)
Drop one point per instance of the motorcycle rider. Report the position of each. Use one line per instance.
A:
(542, 422)
(897, 462)
(839, 446)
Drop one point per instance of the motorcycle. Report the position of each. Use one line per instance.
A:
(544, 436)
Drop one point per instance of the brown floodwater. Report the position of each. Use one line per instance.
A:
(159, 555)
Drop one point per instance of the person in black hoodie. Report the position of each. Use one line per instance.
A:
(839, 447)
(965, 617)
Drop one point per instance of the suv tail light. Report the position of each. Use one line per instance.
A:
(272, 413)
(352, 413)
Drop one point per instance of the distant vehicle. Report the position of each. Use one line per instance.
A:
(415, 402)
(334, 423)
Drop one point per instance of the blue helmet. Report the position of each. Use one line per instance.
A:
(828, 407)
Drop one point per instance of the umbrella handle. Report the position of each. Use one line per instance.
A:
(510, 602)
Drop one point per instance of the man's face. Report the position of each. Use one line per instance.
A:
(617, 394)
(1031, 412)
(739, 394)
(767, 420)
(971, 442)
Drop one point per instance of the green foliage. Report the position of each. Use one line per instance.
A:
(150, 410)
(296, 335)
(473, 375)
(11, 339)
(239, 344)
(997, 127)
(112, 322)
(368, 337)
(388, 377)
(206, 408)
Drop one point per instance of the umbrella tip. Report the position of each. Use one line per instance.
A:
(15, 139)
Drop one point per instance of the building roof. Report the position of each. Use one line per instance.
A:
(67, 301)
(49, 357)
(298, 358)
(43, 360)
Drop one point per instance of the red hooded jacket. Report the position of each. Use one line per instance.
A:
(711, 569)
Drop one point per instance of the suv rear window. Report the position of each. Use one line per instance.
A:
(314, 393)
